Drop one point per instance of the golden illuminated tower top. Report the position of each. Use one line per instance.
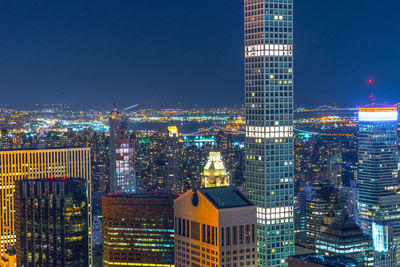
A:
(173, 131)
(215, 173)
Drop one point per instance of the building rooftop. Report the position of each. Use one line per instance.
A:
(54, 179)
(320, 260)
(155, 194)
(344, 229)
(225, 197)
(36, 149)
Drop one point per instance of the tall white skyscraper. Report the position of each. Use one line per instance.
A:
(268, 26)
(378, 195)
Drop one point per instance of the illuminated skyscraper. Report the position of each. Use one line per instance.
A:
(268, 26)
(138, 230)
(173, 181)
(214, 172)
(122, 155)
(35, 164)
(51, 222)
(379, 196)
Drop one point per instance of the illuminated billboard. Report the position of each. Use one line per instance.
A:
(377, 114)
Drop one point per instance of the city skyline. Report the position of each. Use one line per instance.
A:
(213, 133)
(93, 54)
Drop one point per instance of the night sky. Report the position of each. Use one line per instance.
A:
(163, 52)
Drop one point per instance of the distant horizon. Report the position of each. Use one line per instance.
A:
(99, 107)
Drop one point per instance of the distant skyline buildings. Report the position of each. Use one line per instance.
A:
(259, 180)
(180, 106)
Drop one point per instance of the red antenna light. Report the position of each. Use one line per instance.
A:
(371, 93)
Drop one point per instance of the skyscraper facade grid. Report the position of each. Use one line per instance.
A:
(379, 197)
(51, 222)
(268, 36)
(36, 164)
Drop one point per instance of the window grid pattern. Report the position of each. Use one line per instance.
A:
(268, 26)
(36, 164)
(378, 197)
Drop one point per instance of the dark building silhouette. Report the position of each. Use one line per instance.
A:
(316, 260)
(51, 218)
(318, 206)
(341, 236)
(138, 229)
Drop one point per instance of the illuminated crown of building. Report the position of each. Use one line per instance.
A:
(173, 131)
(215, 173)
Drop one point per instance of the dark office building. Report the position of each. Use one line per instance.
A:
(51, 218)
(344, 238)
(138, 229)
(316, 260)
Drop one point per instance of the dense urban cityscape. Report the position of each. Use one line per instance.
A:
(266, 183)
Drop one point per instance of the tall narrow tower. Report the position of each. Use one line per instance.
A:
(122, 155)
(268, 26)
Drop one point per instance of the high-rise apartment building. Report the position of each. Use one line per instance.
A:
(215, 227)
(51, 222)
(268, 37)
(122, 155)
(138, 230)
(35, 164)
(378, 195)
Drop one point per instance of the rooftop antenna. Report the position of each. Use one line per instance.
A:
(371, 93)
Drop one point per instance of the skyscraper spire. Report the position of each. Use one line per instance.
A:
(371, 92)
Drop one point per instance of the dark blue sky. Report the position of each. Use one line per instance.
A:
(158, 51)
